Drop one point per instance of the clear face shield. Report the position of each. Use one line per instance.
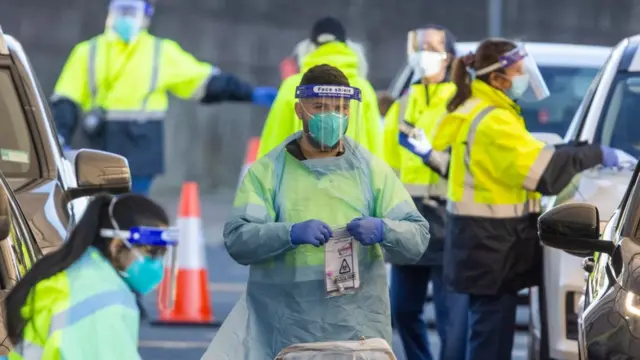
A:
(155, 251)
(528, 85)
(328, 113)
(426, 52)
(127, 18)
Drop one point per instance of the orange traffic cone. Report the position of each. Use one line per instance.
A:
(191, 305)
(250, 157)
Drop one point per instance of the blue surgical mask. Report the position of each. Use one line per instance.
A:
(144, 274)
(327, 128)
(126, 27)
(519, 85)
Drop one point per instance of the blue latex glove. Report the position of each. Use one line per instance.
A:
(609, 157)
(310, 232)
(367, 230)
(264, 95)
(64, 148)
(418, 145)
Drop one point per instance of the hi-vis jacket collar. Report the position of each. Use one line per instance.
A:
(493, 96)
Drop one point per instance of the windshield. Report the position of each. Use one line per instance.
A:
(618, 127)
(567, 86)
(17, 158)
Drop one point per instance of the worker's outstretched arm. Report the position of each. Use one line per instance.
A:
(282, 120)
(406, 232)
(251, 235)
(189, 78)
(71, 94)
(517, 158)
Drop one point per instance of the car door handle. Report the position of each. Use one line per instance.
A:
(588, 264)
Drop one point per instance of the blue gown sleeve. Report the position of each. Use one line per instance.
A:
(251, 234)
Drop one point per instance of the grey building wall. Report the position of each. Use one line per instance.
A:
(250, 37)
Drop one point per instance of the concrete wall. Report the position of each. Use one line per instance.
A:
(250, 37)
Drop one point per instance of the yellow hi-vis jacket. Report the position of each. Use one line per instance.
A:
(283, 121)
(495, 166)
(84, 312)
(130, 82)
(423, 110)
(135, 78)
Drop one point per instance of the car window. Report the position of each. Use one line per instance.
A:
(618, 125)
(15, 250)
(17, 157)
(567, 87)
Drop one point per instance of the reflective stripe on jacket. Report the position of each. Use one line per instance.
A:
(131, 82)
(84, 312)
(494, 169)
(421, 109)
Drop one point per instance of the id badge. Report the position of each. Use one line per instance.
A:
(341, 269)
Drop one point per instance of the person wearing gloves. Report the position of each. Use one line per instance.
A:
(115, 86)
(431, 51)
(329, 36)
(311, 219)
(497, 172)
(79, 302)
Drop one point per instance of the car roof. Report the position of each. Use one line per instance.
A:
(557, 54)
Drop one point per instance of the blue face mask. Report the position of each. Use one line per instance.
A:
(144, 274)
(126, 27)
(519, 84)
(327, 128)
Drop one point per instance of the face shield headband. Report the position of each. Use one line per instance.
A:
(140, 235)
(329, 118)
(534, 87)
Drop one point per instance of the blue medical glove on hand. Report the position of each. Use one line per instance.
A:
(609, 157)
(310, 232)
(264, 95)
(367, 230)
(417, 144)
(65, 148)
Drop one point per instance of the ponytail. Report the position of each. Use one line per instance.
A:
(462, 79)
(79, 240)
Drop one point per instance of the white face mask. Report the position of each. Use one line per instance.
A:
(431, 62)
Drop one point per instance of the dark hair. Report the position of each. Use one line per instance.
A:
(129, 210)
(488, 53)
(324, 75)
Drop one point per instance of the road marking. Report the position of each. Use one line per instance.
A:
(168, 344)
(227, 287)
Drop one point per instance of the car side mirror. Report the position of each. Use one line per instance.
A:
(574, 228)
(99, 171)
(548, 138)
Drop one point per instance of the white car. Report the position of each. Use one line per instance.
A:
(607, 115)
(568, 71)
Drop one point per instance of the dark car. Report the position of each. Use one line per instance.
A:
(609, 319)
(47, 185)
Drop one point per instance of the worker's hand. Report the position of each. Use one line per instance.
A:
(310, 232)
(417, 144)
(264, 95)
(367, 230)
(609, 157)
